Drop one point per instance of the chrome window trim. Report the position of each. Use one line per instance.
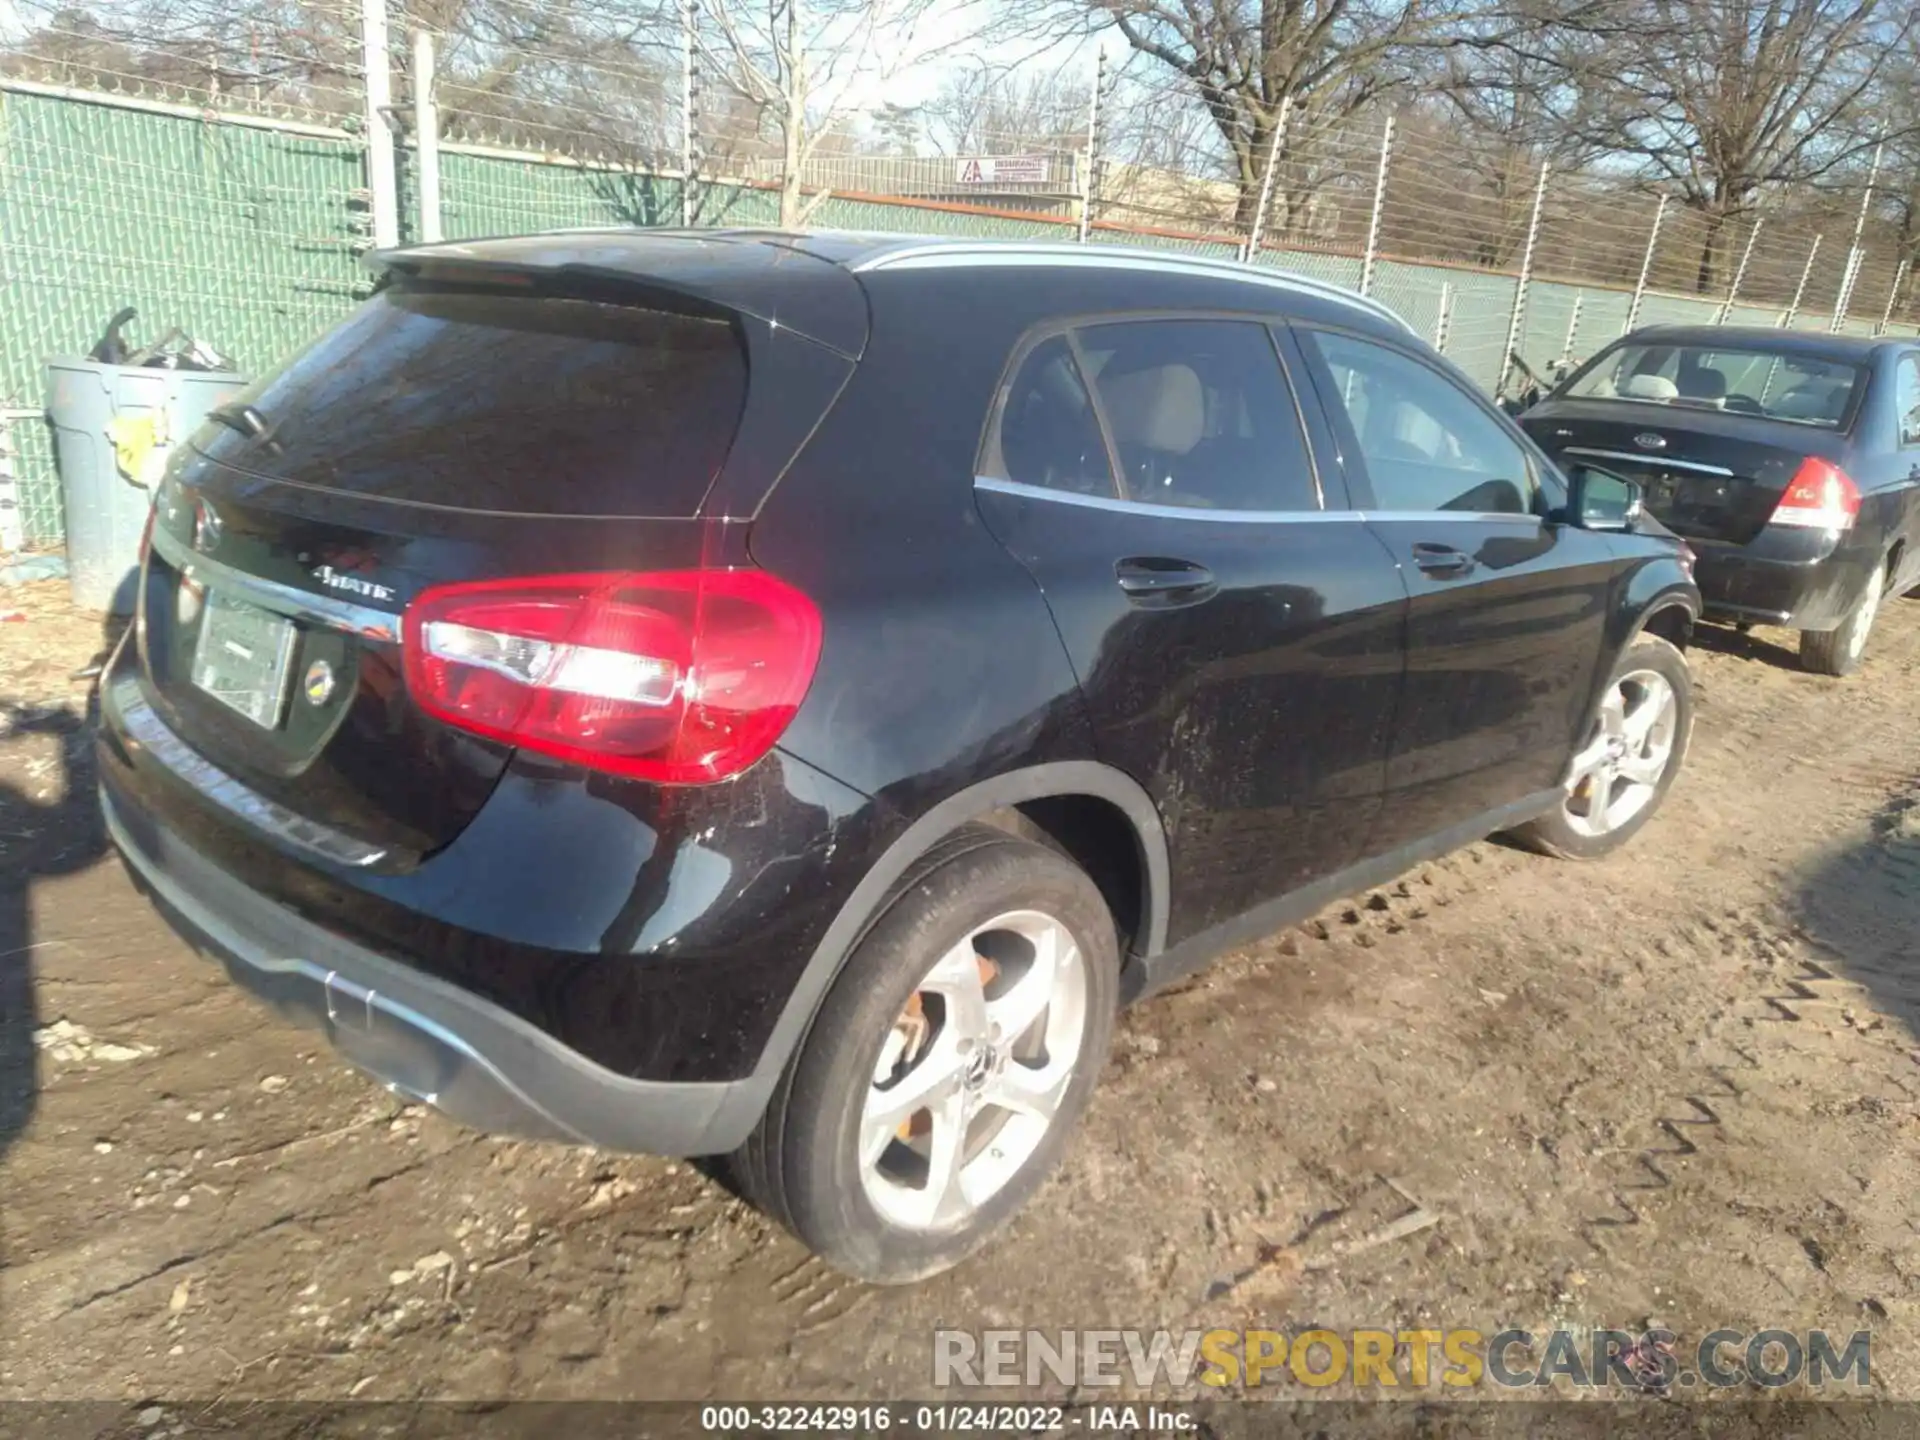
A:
(361, 620)
(961, 254)
(1659, 460)
(1239, 517)
(150, 733)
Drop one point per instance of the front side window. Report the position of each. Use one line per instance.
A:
(1428, 445)
(1201, 415)
(1798, 388)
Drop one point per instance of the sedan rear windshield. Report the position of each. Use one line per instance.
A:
(477, 400)
(1742, 382)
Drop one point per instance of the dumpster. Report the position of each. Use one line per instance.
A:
(114, 426)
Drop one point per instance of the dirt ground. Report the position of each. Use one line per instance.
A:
(1680, 1086)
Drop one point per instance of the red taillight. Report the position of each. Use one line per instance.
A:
(680, 676)
(1821, 496)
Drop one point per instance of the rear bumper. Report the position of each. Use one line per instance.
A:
(1802, 579)
(420, 1037)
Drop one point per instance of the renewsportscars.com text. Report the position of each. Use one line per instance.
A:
(1401, 1359)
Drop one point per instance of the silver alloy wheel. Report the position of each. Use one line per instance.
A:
(1618, 770)
(974, 1071)
(1863, 618)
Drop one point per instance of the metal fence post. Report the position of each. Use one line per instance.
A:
(1646, 268)
(1519, 312)
(426, 137)
(1850, 276)
(383, 186)
(1739, 274)
(1089, 183)
(1800, 290)
(1444, 320)
(1252, 245)
(1893, 297)
(689, 107)
(1573, 327)
(1379, 203)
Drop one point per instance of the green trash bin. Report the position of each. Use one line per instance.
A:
(105, 509)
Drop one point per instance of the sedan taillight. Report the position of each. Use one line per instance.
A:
(1821, 496)
(678, 676)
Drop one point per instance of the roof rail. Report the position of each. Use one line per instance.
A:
(957, 254)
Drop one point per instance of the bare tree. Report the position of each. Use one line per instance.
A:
(1241, 59)
(1717, 100)
(803, 64)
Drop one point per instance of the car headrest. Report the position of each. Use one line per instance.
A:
(1651, 387)
(1162, 408)
(1702, 382)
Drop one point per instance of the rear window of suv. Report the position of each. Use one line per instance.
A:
(1797, 388)
(524, 403)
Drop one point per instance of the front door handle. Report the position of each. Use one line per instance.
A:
(1160, 582)
(1441, 560)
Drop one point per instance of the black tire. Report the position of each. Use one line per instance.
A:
(802, 1164)
(1840, 650)
(1555, 833)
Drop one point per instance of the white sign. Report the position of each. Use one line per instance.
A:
(1004, 170)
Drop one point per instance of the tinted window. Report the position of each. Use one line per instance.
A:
(1200, 414)
(1428, 444)
(489, 402)
(1049, 435)
(1907, 399)
(1747, 382)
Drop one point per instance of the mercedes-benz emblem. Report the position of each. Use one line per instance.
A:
(206, 526)
(1647, 440)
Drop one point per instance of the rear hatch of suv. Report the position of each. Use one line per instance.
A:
(500, 428)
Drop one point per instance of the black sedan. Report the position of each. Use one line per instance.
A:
(1790, 462)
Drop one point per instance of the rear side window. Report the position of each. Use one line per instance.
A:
(1201, 414)
(482, 401)
(1049, 435)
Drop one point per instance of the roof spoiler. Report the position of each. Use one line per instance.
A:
(724, 275)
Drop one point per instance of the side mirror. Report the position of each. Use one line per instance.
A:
(1601, 500)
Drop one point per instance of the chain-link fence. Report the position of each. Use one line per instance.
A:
(230, 187)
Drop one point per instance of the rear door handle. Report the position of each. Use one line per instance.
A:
(1441, 559)
(1159, 581)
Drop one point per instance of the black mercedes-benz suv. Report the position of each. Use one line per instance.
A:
(776, 695)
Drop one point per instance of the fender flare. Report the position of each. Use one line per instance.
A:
(747, 1098)
(1672, 598)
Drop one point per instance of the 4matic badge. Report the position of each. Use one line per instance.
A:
(352, 584)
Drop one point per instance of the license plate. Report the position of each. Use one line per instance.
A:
(244, 656)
